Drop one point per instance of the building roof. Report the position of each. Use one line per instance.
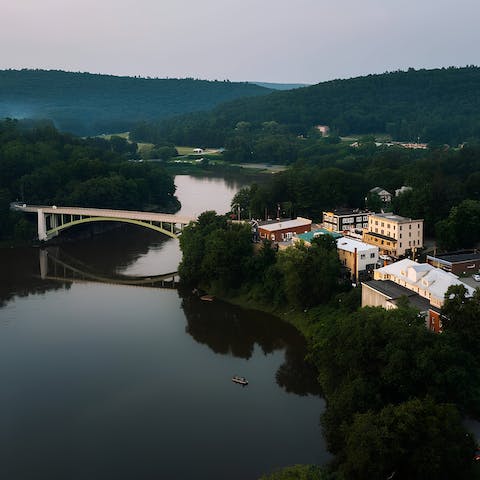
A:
(284, 225)
(340, 212)
(395, 218)
(424, 276)
(456, 257)
(309, 236)
(379, 190)
(350, 244)
(394, 292)
(383, 237)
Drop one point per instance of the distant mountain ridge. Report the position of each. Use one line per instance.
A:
(439, 106)
(281, 86)
(89, 104)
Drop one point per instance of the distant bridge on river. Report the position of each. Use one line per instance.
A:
(52, 219)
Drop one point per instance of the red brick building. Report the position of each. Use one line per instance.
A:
(283, 230)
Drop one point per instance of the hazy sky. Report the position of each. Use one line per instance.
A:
(263, 40)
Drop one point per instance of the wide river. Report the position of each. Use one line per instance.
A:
(107, 381)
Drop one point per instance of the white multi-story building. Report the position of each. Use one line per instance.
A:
(421, 283)
(359, 257)
(394, 235)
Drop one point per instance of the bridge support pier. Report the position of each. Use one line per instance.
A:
(42, 226)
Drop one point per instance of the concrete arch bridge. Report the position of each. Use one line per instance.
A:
(52, 220)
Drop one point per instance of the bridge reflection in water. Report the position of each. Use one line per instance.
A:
(55, 264)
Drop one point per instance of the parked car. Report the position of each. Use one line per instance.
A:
(476, 277)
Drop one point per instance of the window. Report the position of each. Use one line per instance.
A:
(376, 222)
(410, 227)
(410, 234)
(362, 256)
(372, 255)
(400, 235)
(400, 244)
(383, 224)
(400, 227)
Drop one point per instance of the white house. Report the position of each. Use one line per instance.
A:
(359, 257)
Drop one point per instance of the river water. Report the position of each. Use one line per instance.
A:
(108, 381)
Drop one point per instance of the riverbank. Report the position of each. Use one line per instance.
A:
(224, 170)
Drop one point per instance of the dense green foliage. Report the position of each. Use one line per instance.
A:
(88, 104)
(39, 165)
(461, 229)
(439, 106)
(461, 318)
(299, 472)
(394, 395)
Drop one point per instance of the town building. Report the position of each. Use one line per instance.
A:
(459, 263)
(394, 235)
(284, 230)
(345, 219)
(423, 285)
(385, 196)
(359, 258)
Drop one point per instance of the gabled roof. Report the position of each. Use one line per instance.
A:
(424, 276)
(379, 190)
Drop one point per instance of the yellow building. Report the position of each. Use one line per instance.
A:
(394, 235)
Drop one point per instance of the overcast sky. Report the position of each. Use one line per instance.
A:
(305, 41)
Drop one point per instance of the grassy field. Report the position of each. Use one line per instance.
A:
(183, 150)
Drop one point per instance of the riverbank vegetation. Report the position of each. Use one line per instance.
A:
(396, 393)
(39, 165)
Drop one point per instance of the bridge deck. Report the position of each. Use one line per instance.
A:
(110, 213)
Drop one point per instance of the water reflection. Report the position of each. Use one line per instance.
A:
(20, 275)
(56, 264)
(116, 250)
(230, 330)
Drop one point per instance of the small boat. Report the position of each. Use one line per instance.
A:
(240, 380)
(207, 298)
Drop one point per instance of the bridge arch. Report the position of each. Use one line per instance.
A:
(52, 232)
(53, 220)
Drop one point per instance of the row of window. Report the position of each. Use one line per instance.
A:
(382, 224)
(362, 255)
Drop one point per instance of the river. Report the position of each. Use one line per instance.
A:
(108, 381)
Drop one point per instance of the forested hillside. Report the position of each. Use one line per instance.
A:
(439, 106)
(88, 104)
